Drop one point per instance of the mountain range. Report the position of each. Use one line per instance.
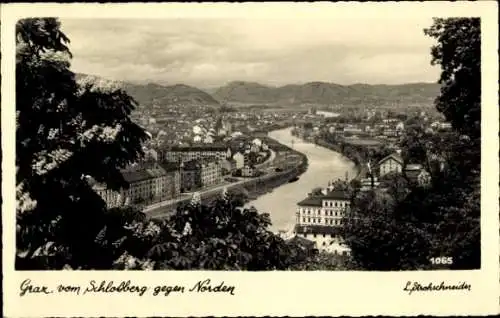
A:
(324, 93)
(240, 92)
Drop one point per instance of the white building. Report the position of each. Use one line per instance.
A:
(240, 160)
(400, 126)
(390, 163)
(319, 218)
(257, 142)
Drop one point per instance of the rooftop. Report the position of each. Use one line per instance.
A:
(170, 166)
(317, 200)
(135, 176)
(397, 157)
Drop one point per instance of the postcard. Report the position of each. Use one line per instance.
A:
(250, 159)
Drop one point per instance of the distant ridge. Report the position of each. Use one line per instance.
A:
(321, 93)
(324, 93)
(151, 93)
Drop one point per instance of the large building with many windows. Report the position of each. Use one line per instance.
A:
(325, 209)
(188, 153)
(319, 218)
(211, 172)
(145, 186)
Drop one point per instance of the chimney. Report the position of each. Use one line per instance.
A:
(324, 191)
(398, 151)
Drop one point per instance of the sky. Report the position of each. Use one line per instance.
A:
(210, 52)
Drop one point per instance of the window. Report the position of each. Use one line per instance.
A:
(314, 235)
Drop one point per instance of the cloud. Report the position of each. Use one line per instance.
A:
(211, 52)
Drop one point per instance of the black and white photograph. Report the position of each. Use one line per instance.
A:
(273, 144)
(250, 159)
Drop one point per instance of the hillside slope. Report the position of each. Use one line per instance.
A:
(148, 94)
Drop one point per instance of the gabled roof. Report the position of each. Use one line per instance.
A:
(397, 157)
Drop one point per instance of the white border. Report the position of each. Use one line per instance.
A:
(266, 293)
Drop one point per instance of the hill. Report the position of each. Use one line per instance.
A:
(149, 94)
(325, 93)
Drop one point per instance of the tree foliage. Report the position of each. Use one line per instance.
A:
(65, 131)
(216, 236)
(458, 52)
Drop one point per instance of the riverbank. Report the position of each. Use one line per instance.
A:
(353, 156)
(324, 166)
(348, 150)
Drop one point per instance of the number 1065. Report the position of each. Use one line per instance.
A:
(443, 260)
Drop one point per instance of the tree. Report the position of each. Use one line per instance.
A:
(381, 240)
(458, 52)
(65, 131)
(414, 145)
(217, 236)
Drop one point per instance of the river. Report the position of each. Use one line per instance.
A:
(324, 165)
